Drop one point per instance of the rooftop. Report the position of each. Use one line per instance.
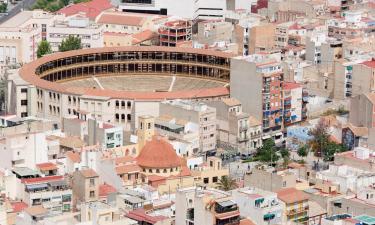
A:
(158, 153)
(291, 195)
(88, 173)
(91, 9)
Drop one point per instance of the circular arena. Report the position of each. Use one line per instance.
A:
(109, 82)
(141, 73)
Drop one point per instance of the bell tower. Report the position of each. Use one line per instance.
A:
(146, 130)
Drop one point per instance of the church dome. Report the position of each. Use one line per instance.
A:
(158, 153)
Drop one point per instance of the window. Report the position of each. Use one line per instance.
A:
(129, 117)
(205, 180)
(214, 179)
(24, 90)
(92, 194)
(284, 183)
(23, 102)
(92, 182)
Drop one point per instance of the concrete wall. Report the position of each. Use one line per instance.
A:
(246, 85)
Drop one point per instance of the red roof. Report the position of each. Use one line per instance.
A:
(291, 85)
(41, 179)
(141, 216)
(125, 169)
(46, 166)
(106, 189)
(73, 156)
(143, 36)
(291, 195)
(370, 63)
(120, 18)
(18, 206)
(158, 153)
(92, 9)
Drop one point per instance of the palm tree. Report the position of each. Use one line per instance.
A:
(226, 183)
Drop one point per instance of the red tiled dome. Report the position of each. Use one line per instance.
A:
(158, 153)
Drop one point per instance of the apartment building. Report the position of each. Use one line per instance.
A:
(235, 129)
(52, 192)
(200, 206)
(91, 34)
(54, 28)
(263, 207)
(86, 185)
(295, 204)
(198, 113)
(260, 76)
(175, 33)
(353, 77)
(294, 100)
(352, 25)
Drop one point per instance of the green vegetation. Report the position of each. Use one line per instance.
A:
(302, 151)
(3, 7)
(340, 111)
(226, 183)
(321, 143)
(71, 43)
(50, 5)
(54, 5)
(267, 153)
(44, 48)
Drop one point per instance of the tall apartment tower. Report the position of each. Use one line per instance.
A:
(146, 130)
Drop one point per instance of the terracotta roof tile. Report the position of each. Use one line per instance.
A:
(120, 18)
(92, 8)
(32, 78)
(88, 173)
(158, 153)
(106, 189)
(36, 210)
(18, 206)
(41, 179)
(127, 169)
(291, 85)
(291, 195)
(46, 166)
(73, 156)
(143, 36)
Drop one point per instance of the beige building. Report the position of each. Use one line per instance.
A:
(269, 180)
(201, 206)
(296, 205)
(210, 32)
(236, 129)
(198, 113)
(85, 185)
(125, 23)
(352, 79)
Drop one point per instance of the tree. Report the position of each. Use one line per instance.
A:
(330, 149)
(71, 43)
(284, 153)
(302, 151)
(226, 183)
(267, 153)
(3, 7)
(320, 137)
(50, 5)
(44, 48)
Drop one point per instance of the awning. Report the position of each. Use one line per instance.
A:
(36, 186)
(266, 137)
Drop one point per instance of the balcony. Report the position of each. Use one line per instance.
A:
(243, 128)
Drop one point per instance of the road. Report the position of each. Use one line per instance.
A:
(25, 4)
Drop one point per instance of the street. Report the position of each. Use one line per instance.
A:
(25, 4)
